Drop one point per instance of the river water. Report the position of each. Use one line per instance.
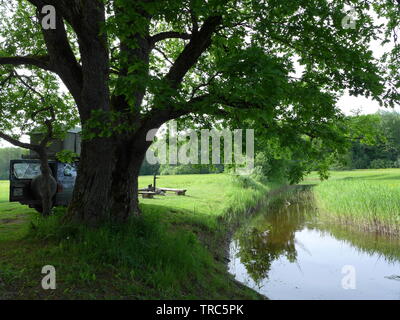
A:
(285, 252)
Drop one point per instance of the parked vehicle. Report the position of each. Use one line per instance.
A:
(25, 174)
(25, 188)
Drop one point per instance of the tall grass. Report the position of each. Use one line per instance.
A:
(366, 204)
(142, 250)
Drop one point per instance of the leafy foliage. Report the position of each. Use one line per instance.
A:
(375, 142)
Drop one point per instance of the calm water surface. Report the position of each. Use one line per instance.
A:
(286, 253)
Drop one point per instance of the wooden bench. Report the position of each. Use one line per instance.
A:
(147, 194)
(179, 192)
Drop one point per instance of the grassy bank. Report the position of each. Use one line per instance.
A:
(13, 217)
(368, 200)
(175, 251)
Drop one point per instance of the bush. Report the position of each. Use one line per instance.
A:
(381, 164)
(396, 164)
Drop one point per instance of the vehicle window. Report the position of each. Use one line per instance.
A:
(26, 170)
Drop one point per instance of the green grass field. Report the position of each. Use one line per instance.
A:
(176, 250)
(366, 199)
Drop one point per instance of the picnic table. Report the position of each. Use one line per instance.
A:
(152, 190)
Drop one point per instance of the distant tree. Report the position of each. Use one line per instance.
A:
(390, 124)
(375, 141)
(390, 10)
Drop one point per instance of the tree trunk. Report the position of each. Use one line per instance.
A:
(129, 157)
(107, 184)
(91, 198)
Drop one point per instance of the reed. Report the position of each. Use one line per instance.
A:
(369, 205)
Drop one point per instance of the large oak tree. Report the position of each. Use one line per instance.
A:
(131, 66)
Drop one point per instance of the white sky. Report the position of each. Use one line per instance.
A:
(366, 106)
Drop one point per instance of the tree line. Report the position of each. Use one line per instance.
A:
(377, 149)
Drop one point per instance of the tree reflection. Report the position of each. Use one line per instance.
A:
(268, 238)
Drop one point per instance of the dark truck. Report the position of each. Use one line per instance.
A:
(25, 174)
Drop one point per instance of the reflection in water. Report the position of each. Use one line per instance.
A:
(286, 254)
(262, 242)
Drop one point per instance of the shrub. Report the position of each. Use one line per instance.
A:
(381, 164)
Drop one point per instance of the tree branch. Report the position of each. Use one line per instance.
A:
(42, 62)
(60, 54)
(18, 143)
(27, 85)
(203, 85)
(157, 117)
(7, 79)
(198, 44)
(164, 56)
(168, 35)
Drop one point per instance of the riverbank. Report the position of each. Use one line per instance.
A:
(365, 200)
(175, 251)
